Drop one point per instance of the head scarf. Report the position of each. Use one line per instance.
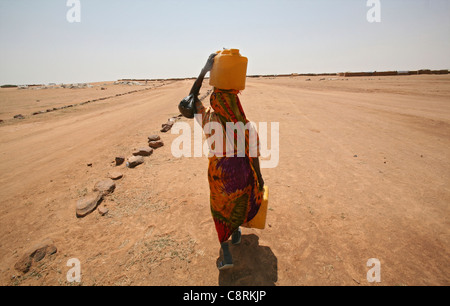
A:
(227, 106)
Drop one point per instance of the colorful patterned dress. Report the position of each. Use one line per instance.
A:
(235, 194)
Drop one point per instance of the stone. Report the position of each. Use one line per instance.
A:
(143, 152)
(115, 175)
(103, 210)
(153, 138)
(167, 126)
(134, 161)
(24, 264)
(87, 204)
(51, 249)
(36, 254)
(19, 116)
(155, 144)
(42, 249)
(119, 160)
(39, 254)
(105, 187)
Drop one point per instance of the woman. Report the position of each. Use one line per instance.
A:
(236, 184)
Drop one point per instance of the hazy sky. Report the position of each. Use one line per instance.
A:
(173, 38)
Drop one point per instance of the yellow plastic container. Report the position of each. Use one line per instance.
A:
(259, 221)
(229, 70)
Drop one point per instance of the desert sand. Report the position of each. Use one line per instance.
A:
(364, 172)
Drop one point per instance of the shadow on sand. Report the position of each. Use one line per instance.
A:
(254, 265)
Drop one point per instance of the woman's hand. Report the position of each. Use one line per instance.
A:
(261, 183)
(209, 64)
(257, 169)
(198, 83)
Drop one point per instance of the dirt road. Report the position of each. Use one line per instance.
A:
(363, 173)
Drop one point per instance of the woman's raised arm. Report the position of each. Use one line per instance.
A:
(195, 90)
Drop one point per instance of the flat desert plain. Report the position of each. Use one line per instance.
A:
(363, 172)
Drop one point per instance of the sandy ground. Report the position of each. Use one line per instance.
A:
(364, 172)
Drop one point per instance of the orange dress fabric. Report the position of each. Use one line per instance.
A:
(235, 194)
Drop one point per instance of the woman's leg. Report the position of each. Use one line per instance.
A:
(227, 258)
(236, 237)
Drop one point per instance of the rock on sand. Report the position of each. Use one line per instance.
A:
(35, 254)
(103, 210)
(134, 161)
(87, 204)
(167, 126)
(153, 138)
(115, 175)
(147, 151)
(105, 186)
(119, 160)
(155, 144)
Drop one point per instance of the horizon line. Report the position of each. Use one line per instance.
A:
(340, 74)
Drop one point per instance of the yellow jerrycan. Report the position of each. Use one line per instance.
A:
(229, 70)
(259, 221)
